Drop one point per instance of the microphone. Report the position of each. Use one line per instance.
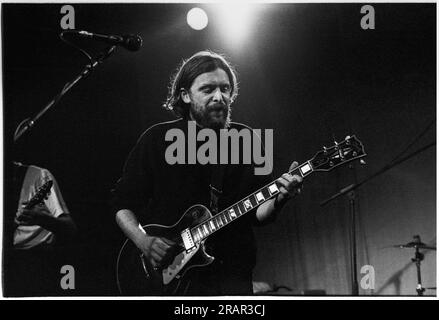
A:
(130, 41)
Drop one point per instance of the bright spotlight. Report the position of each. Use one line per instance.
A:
(237, 19)
(197, 19)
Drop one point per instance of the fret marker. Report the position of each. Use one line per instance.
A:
(212, 225)
(305, 169)
(205, 229)
(273, 189)
(232, 213)
(195, 236)
(260, 197)
(248, 204)
(219, 221)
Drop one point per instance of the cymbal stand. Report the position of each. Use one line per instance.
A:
(417, 260)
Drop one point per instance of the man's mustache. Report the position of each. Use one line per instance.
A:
(218, 107)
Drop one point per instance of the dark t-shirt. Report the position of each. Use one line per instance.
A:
(158, 192)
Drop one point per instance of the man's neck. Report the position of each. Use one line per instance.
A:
(191, 118)
(199, 126)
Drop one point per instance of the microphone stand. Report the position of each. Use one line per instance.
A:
(350, 190)
(28, 123)
(354, 279)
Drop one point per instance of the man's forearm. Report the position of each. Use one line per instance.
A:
(268, 211)
(127, 221)
(62, 226)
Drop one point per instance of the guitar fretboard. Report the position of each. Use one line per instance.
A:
(243, 206)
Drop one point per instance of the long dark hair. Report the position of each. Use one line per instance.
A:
(201, 62)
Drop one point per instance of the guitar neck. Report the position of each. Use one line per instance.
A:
(245, 205)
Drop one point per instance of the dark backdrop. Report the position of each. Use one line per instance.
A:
(308, 71)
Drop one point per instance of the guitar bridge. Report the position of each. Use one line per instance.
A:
(188, 241)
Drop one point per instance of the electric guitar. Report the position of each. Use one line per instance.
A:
(136, 276)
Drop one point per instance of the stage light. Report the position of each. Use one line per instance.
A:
(197, 19)
(236, 20)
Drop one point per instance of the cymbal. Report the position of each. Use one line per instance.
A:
(415, 244)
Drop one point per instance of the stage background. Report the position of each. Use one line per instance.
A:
(308, 71)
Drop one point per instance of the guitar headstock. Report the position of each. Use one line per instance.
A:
(340, 153)
(41, 194)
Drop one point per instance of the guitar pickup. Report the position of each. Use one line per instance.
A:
(188, 241)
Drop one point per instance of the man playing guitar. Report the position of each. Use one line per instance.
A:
(152, 191)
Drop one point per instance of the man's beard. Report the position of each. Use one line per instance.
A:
(213, 117)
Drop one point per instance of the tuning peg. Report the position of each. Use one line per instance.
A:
(347, 138)
(362, 162)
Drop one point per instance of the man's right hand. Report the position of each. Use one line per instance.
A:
(158, 251)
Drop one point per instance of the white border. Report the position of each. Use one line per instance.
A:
(225, 298)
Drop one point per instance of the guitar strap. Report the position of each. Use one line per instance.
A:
(216, 186)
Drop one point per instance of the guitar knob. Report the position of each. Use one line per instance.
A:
(362, 162)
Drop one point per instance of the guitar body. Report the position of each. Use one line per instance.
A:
(136, 276)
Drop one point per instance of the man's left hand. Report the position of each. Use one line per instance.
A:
(289, 185)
